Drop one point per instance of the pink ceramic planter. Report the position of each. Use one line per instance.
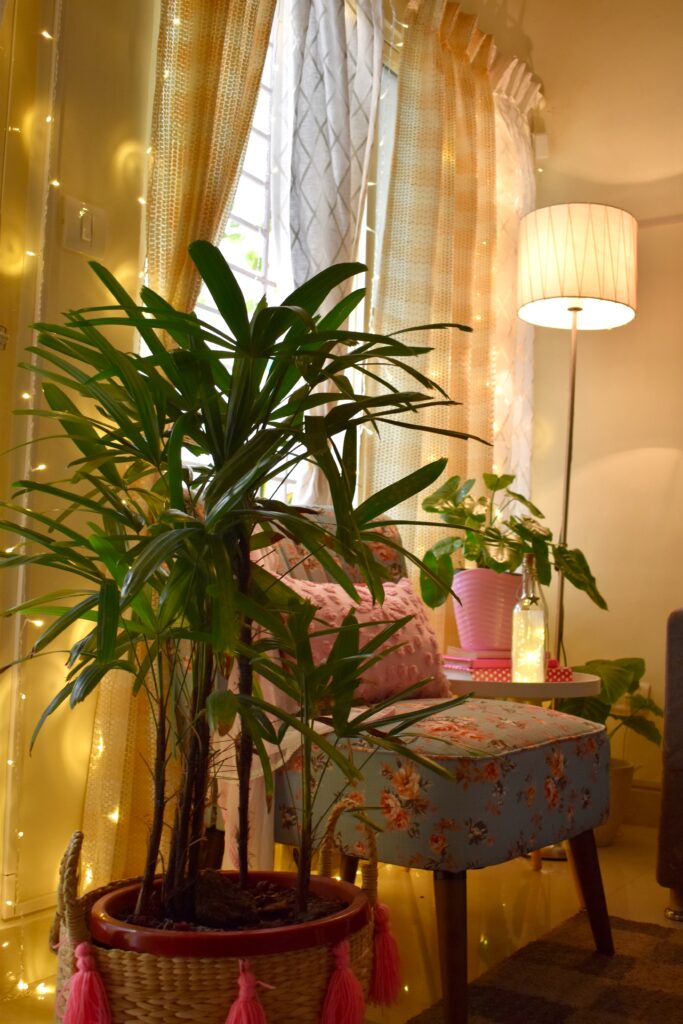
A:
(484, 616)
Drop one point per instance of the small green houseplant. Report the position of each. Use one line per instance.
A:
(618, 705)
(495, 530)
(164, 559)
(619, 699)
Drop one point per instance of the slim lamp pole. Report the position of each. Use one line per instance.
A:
(576, 258)
(559, 623)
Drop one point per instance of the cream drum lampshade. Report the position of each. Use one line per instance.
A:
(578, 256)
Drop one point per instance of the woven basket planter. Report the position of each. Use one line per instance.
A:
(159, 987)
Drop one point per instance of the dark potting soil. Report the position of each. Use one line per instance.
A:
(221, 905)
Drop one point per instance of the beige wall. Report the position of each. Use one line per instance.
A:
(613, 83)
(97, 152)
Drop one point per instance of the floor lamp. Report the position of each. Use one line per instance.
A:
(577, 271)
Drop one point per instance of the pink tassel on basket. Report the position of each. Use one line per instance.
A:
(344, 1000)
(246, 1009)
(87, 1001)
(385, 983)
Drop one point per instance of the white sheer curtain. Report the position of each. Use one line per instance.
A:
(328, 62)
(516, 93)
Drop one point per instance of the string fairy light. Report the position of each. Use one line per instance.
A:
(14, 902)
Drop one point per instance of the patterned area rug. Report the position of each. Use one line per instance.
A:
(562, 980)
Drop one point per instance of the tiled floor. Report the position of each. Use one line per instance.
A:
(509, 905)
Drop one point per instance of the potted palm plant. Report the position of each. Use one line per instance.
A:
(494, 531)
(160, 524)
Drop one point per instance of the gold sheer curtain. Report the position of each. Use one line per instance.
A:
(210, 57)
(439, 243)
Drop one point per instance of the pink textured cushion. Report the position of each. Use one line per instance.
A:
(417, 658)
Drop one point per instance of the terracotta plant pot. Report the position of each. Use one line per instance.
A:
(107, 928)
(155, 975)
(620, 782)
(484, 616)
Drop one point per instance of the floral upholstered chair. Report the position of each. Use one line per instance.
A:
(523, 777)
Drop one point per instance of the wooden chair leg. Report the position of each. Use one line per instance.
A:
(349, 867)
(585, 854)
(450, 899)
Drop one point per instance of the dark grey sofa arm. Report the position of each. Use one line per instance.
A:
(670, 847)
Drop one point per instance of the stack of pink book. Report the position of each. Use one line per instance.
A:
(496, 666)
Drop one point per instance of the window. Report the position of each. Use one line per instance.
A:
(247, 242)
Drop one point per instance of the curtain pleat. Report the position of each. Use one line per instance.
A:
(328, 62)
(328, 58)
(439, 260)
(210, 59)
(439, 243)
(516, 92)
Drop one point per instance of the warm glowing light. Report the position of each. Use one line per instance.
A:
(13, 128)
(10, 762)
(46, 35)
(22, 985)
(100, 747)
(577, 264)
(55, 183)
(8, 551)
(25, 395)
(44, 990)
(30, 252)
(20, 835)
(166, 73)
(176, 21)
(37, 622)
(148, 151)
(9, 903)
(405, 988)
(39, 468)
(23, 696)
(48, 119)
(114, 816)
(88, 876)
(142, 201)
(5, 945)
(528, 646)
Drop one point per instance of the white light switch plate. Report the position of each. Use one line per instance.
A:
(84, 227)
